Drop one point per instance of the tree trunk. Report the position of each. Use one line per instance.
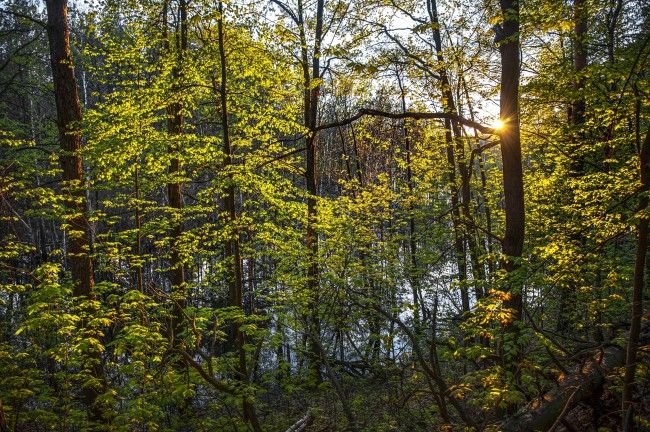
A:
(68, 111)
(311, 96)
(488, 216)
(233, 254)
(175, 122)
(544, 413)
(456, 156)
(414, 273)
(576, 119)
(639, 275)
(513, 185)
(138, 275)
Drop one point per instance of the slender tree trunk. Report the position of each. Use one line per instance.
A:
(374, 321)
(281, 365)
(175, 123)
(311, 96)
(137, 247)
(456, 157)
(345, 154)
(576, 119)
(459, 244)
(488, 214)
(471, 234)
(638, 284)
(233, 247)
(414, 276)
(357, 157)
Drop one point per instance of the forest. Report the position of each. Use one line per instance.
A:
(324, 215)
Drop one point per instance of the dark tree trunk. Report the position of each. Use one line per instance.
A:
(546, 412)
(415, 276)
(311, 96)
(579, 60)
(638, 284)
(513, 185)
(464, 234)
(233, 249)
(174, 188)
(68, 111)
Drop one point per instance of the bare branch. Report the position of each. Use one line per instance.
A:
(281, 156)
(217, 384)
(286, 10)
(24, 16)
(415, 115)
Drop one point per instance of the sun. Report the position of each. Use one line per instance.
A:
(498, 124)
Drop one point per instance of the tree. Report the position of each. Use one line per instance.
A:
(68, 110)
(507, 38)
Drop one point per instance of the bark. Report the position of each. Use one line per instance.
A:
(175, 123)
(233, 245)
(345, 154)
(459, 243)
(488, 215)
(513, 186)
(448, 106)
(68, 109)
(576, 119)
(414, 271)
(233, 250)
(311, 96)
(543, 413)
(302, 423)
(415, 115)
(639, 276)
(469, 229)
(547, 411)
(312, 188)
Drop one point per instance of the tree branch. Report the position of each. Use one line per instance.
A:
(416, 115)
(286, 10)
(217, 384)
(24, 16)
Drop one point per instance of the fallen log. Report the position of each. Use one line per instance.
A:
(547, 411)
(544, 412)
(302, 423)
